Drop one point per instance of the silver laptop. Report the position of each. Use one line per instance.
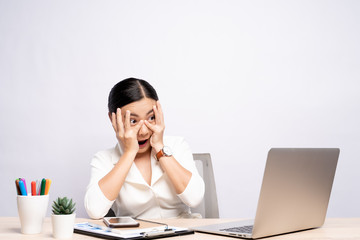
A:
(294, 194)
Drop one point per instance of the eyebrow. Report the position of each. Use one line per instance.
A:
(135, 115)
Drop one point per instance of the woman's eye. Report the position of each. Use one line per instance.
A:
(132, 121)
(152, 118)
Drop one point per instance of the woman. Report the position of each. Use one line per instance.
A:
(146, 175)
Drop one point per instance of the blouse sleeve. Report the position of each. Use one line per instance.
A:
(96, 204)
(194, 191)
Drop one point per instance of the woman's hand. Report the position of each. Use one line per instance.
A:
(158, 128)
(125, 134)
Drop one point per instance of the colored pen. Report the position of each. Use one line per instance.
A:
(47, 187)
(33, 188)
(23, 179)
(43, 183)
(17, 187)
(38, 187)
(22, 188)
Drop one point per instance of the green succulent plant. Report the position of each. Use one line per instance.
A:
(63, 206)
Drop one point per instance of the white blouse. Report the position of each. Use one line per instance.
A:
(139, 199)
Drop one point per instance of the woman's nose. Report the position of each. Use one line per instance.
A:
(143, 130)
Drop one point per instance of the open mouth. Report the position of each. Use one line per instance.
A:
(142, 143)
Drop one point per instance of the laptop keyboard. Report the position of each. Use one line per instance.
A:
(242, 229)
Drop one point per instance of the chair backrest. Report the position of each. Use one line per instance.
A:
(208, 208)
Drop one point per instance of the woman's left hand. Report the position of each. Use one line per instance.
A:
(158, 128)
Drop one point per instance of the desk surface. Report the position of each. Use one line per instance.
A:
(334, 228)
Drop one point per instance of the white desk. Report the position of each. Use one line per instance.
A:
(334, 228)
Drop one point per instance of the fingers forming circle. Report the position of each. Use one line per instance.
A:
(150, 126)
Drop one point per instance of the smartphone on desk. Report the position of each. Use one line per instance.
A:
(114, 222)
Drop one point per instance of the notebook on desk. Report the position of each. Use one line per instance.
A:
(104, 232)
(294, 195)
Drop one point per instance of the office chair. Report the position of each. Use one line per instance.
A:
(208, 208)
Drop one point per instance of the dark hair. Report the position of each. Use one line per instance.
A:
(130, 90)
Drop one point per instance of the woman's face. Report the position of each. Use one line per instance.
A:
(141, 110)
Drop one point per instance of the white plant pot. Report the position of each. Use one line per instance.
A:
(63, 225)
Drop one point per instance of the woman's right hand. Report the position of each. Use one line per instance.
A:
(125, 133)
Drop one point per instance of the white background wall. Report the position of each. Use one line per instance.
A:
(234, 78)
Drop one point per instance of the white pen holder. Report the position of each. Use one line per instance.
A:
(32, 211)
